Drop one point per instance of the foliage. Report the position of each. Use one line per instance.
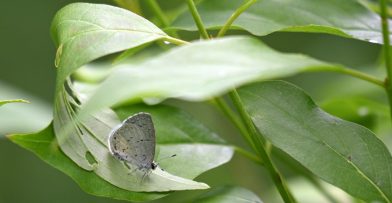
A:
(112, 63)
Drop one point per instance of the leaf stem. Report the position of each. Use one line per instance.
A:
(249, 155)
(258, 141)
(156, 9)
(385, 35)
(133, 6)
(233, 118)
(234, 16)
(197, 19)
(154, 6)
(175, 41)
(358, 74)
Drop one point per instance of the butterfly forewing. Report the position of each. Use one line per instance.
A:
(134, 141)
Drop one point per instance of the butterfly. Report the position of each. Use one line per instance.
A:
(133, 141)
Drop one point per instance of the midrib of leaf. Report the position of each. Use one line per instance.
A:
(358, 170)
(92, 134)
(103, 29)
(34, 140)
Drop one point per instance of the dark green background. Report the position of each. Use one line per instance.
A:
(27, 62)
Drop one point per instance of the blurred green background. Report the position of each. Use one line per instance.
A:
(27, 71)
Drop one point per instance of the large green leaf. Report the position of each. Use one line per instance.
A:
(342, 153)
(84, 32)
(229, 194)
(200, 71)
(346, 18)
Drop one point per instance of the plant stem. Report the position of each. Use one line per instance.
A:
(156, 9)
(133, 6)
(258, 141)
(234, 16)
(175, 41)
(252, 135)
(308, 176)
(249, 155)
(154, 6)
(385, 35)
(233, 118)
(197, 19)
(358, 74)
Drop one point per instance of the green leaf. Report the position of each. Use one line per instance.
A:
(84, 32)
(342, 153)
(2, 102)
(200, 71)
(44, 145)
(229, 194)
(346, 18)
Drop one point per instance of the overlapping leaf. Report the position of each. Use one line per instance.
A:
(346, 18)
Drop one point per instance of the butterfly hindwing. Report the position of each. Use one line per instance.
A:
(134, 141)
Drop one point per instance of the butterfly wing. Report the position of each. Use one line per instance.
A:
(134, 141)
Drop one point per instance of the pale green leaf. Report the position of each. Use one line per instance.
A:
(200, 71)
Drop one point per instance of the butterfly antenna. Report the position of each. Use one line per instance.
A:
(167, 157)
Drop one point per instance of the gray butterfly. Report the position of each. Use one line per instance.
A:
(133, 141)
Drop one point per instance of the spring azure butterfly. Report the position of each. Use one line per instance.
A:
(133, 141)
